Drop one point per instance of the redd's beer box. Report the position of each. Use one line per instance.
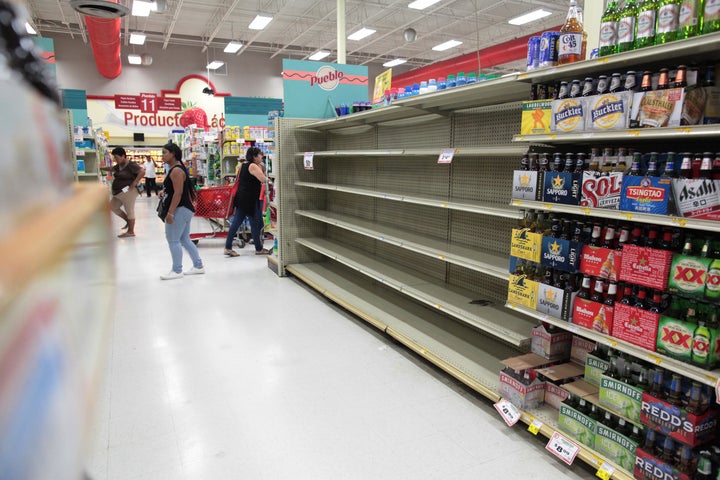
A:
(554, 301)
(562, 187)
(649, 467)
(525, 244)
(523, 291)
(592, 315)
(697, 198)
(636, 326)
(526, 185)
(677, 422)
(600, 262)
(689, 275)
(561, 254)
(621, 398)
(615, 446)
(645, 194)
(551, 345)
(648, 267)
(601, 189)
(688, 342)
(536, 117)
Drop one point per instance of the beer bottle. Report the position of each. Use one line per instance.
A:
(646, 84)
(641, 299)
(575, 89)
(548, 278)
(594, 160)
(704, 467)
(694, 405)
(657, 389)
(637, 236)
(557, 162)
(705, 250)
(701, 344)
(602, 85)
(667, 21)
(664, 79)
(686, 459)
(689, 19)
(635, 435)
(595, 412)
(569, 163)
(544, 92)
(598, 293)
(650, 441)
(570, 43)
(595, 238)
(711, 16)
(555, 229)
(669, 171)
(712, 284)
(623, 427)
(635, 166)
(646, 22)
(652, 238)
(716, 167)
(626, 26)
(666, 242)
(566, 231)
(691, 312)
(675, 310)
(609, 30)
(609, 237)
(656, 305)
(680, 77)
(668, 450)
(621, 165)
(688, 246)
(585, 288)
(611, 293)
(675, 392)
(580, 163)
(544, 162)
(630, 84)
(577, 232)
(686, 165)
(627, 295)
(583, 406)
(563, 91)
(624, 237)
(534, 92)
(588, 87)
(652, 170)
(615, 84)
(706, 167)
(643, 381)
(525, 163)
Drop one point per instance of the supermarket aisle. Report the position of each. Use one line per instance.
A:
(238, 374)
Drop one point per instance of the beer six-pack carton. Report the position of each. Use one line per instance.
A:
(561, 254)
(592, 315)
(526, 185)
(615, 446)
(697, 198)
(695, 277)
(648, 267)
(595, 368)
(555, 378)
(645, 194)
(601, 262)
(562, 187)
(676, 422)
(521, 392)
(601, 189)
(553, 345)
(650, 467)
(635, 325)
(536, 117)
(688, 342)
(621, 397)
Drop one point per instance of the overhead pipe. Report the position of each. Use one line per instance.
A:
(104, 36)
(510, 51)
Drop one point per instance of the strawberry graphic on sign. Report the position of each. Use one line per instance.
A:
(193, 115)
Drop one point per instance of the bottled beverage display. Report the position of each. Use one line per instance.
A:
(609, 30)
(711, 16)
(571, 47)
(645, 29)
(626, 26)
(689, 18)
(667, 21)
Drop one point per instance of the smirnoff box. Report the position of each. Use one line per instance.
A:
(620, 397)
(645, 194)
(562, 187)
(615, 446)
(649, 467)
(636, 326)
(600, 262)
(555, 377)
(688, 342)
(525, 244)
(579, 426)
(592, 315)
(595, 368)
(676, 422)
(697, 198)
(518, 393)
(551, 345)
(648, 267)
(561, 254)
(601, 189)
(526, 185)
(580, 349)
(688, 275)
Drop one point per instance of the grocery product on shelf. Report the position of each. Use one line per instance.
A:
(571, 43)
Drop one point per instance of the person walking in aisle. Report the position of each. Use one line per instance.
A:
(126, 176)
(247, 202)
(150, 185)
(179, 195)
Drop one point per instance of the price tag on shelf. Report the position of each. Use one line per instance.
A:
(443, 204)
(684, 130)
(446, 155)
(588, 135)
(586, 210)
(605, 471)
(633, 133)
(563, 448)
(717, 391)
(79, 153)
(627, 215)
(602, 60)
(609, 342)
(535, 427)
(519, 138)
(508, 412)
(308, 160)
(680, 221)
(654, 358)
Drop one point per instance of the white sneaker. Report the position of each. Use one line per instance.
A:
(195, 271)
(171, 275)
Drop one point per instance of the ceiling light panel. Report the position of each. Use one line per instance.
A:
(232, 47)
(362, 33)
(422, 4)
(319, 55)
(215, 64)
(447, 45)
(260, 22)
(134, 59)
(137, 39)
(30, 30)
(394, 63)
(141, 9)
(529, 17)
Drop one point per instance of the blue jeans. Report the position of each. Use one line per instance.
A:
(256, 224)
(178, 236)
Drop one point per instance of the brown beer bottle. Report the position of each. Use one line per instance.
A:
(664, 80)
(570, 43)
(646, 84)
(680, 77)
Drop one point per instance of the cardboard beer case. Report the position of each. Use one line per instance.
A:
(636, 326)
(658, 108)
(568, 115)
(562, 187)
(648, 267)
(555, 377)
(621, 398)
(527, 185)
(601, 189)
(681, 340)
(688, 275)
(645, 194)
(615, 446)
(592, 315)
(522, 395)
(536, 117)
(554, 346)
(595, 368)
(577, 425)
(561, 254)
(580, 349)
(649, 467)
(609, 111)
(523, 291)
(677, 422)
(600, 262)
(697, 198)
(526, 244)
(553, 301)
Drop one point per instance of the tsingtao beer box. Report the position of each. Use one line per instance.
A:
(601, 189)
(645, 194)
(562, 187)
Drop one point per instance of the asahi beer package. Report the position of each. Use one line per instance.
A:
(697, 198)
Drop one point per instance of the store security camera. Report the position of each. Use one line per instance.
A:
(410, 34)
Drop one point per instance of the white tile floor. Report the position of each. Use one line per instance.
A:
(239, 374)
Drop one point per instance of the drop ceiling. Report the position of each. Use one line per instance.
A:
(301, 27)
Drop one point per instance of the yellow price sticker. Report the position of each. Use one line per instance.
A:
(654, 358)
(517, 203)
(441, 256)
(552, 136)
(684, 130)
(633, 133)
(443, 204)
(586, 211)
(605, 471)
(627, 215)
(609, 342)
(602, 60)
(519, 138)
(522, 76)
(548, 206)
(680, 221)
(535, 427)
(438, 306)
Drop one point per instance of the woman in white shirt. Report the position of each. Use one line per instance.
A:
(150, 185)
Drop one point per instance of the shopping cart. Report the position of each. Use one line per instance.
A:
(215, 205)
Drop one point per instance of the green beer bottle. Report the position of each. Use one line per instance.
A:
(667, 21)
(690, 19)
(711, 16)
(712, 283)
(626, 26)
(609, 29)
(701, 344)
(646, 23)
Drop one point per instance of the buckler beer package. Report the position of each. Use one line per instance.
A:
(645, 194)
(676, 422)
(697, 198)
(562, 187)
(635, 325)
(568, 115)
(526, 185)
(648, 267)
(601, 189)
(610, 111)
(536, 117)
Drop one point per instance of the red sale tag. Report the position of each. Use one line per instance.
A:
(308, 160)
(446, 155)
(561, 447)
(508, 412)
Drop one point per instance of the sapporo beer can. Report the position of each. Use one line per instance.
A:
(548, 49)
(533, 54)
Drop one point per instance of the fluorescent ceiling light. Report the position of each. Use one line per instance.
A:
(260, 22)
(137, 39)
(232, 47)
(134, 59)
(529, 17)
(362, 33)
(215, 64)
(422, 4)
(141, 8)
(30, 29)
(394, 63)
(447, 45)
(319, 55)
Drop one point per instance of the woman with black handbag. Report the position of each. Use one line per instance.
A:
(178, 198)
